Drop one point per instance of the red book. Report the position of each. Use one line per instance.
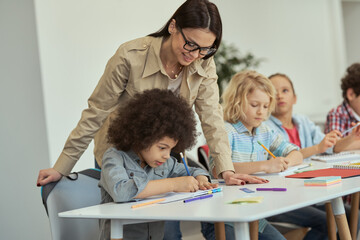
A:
(343, 173)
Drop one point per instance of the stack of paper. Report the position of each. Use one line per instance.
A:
(322, 181)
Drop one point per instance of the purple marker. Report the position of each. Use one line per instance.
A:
(197, 198)
(271, 189)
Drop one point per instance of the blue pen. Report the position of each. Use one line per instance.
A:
(186, 167)
(350, 128)
(198, 198)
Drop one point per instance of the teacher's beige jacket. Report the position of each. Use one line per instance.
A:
(135, 67)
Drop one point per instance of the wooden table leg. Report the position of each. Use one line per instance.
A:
(220, 231)
(254, 230)
(354, 214)
(330, 221)
(116, 229)
(340, 218)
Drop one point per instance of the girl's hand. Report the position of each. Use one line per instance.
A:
(204, 184)
(329, 140)
(278, 164)
(185, 184)
(232, 178)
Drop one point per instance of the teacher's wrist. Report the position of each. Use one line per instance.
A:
(227, 174)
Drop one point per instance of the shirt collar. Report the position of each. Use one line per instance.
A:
(240, 128)
(351, 112)
(133, 156)
(153, 62)
(275, 120)
(279, 123)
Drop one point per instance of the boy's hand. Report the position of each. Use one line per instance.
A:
(329, 140)
(356, 131)
(204, 184)
(278, 164)
(232, 178)
(185, 184)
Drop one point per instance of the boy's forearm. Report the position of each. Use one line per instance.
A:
(155, 187)
(347, 143)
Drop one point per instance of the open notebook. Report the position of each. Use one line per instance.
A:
(337, 157)
(288, 171)
(348, 165)
(178, 196)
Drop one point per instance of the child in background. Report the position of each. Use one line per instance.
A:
(347, 114)
(300, 130)
(139, 165)
(248, 101)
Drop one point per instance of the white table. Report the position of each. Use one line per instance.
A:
(216, 209)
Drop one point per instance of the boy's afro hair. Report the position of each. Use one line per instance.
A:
(150, 116)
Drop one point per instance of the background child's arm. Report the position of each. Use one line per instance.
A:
(328, 141)
(295, 158)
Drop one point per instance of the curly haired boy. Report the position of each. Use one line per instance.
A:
(143, 134)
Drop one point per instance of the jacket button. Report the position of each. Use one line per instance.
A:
(131, 174)
(193, 98)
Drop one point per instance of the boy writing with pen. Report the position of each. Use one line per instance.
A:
(248, 101)
(139, 165)
(343, 117)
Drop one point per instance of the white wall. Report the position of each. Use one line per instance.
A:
(23, 142)
(299, 38)
(351, 12)
(302, 38)
(76, 40)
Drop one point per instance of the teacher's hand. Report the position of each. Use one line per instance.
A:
(48, 175)
(232, 178)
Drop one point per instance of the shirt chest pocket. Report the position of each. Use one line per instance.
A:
(160, 173)
(262, 155)
(135, 173)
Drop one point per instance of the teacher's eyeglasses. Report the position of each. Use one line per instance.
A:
(191, 46)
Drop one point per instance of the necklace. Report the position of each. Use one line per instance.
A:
(175, 70)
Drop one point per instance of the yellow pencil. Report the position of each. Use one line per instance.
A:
(266, 149)
(147, 203)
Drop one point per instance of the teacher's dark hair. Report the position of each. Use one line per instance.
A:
(196, 14)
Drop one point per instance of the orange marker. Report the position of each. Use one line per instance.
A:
(266, 149)
(147, 203)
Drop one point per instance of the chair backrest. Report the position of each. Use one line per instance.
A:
(203, 156)
(75, 191)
